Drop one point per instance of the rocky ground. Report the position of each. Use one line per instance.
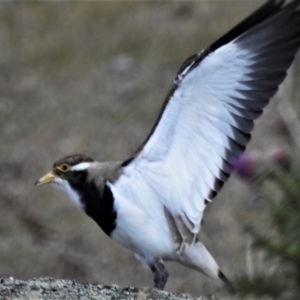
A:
(56, 289)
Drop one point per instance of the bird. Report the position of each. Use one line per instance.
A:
(152, 202)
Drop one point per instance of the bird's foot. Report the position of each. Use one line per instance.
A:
(160, 275)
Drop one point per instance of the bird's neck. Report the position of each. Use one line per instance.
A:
(99, 205)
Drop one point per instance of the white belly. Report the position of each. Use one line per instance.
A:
(147, 236)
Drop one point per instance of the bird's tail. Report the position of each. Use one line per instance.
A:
(197, 257)
(227, 282)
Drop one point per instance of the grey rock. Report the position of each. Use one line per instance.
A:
(58, 289)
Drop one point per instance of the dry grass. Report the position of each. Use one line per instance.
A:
(90, 78)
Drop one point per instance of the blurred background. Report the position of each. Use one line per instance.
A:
(90, 77)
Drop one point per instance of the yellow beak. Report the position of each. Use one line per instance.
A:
(48, 178)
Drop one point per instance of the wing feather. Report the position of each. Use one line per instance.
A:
(208, 117)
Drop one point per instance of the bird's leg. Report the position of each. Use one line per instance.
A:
(160, 275)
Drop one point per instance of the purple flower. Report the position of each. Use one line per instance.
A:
(245, 165)
(281, 157)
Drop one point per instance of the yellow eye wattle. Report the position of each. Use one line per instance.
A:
(64, 168)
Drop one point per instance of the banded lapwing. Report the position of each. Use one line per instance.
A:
(153, 202)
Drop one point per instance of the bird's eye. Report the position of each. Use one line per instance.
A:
(64, 168)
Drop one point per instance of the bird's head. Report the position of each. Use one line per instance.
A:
(68, 174)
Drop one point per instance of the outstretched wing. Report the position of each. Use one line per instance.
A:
(209, 114)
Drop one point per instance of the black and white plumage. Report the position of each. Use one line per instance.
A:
(153, 203)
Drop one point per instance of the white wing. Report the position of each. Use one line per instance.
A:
(209, 115)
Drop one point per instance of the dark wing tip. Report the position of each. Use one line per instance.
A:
(263, 13)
